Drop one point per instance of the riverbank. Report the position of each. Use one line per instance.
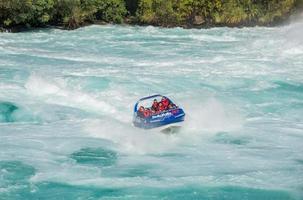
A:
(67, 14)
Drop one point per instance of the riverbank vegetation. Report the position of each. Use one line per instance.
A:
(191, 13)
(72, 14)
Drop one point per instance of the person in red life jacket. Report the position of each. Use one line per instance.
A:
(141, 112)
(147, 112)
(165, 102)
(155, 105)
(161, 107)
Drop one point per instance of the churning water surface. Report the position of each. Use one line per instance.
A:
(66, 102)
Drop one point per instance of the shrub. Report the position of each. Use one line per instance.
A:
(25, 12)
(111, 10)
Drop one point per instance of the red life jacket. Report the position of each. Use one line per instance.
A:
(161, 108)
(165, 103)
(146, 113)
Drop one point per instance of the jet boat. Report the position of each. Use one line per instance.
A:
(169, 119)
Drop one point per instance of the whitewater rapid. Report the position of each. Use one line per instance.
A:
(66, 102)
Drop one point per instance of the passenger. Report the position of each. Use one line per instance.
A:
(155, 105)
(141, 112)
(165, 102)
(147, 112)
(161, 107)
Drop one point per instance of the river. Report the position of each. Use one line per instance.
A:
(67, 97)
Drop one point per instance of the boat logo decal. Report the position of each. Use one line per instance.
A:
(162, 115)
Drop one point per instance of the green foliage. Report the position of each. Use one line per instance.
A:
(25, 12)
(41, 11)
(74, 13)
(70, 13)
(131, 6)
(276, 10)
(111, 10)
(214, 12)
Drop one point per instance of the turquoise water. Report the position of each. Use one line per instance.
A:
(66, 101)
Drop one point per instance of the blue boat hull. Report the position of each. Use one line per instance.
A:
(158, 120)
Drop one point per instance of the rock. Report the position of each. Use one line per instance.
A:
(198, 20)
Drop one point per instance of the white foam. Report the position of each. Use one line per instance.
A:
(213, 38)
(211, 116)
(130, 139)
(52, 91)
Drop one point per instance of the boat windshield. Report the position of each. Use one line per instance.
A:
(147, 103)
